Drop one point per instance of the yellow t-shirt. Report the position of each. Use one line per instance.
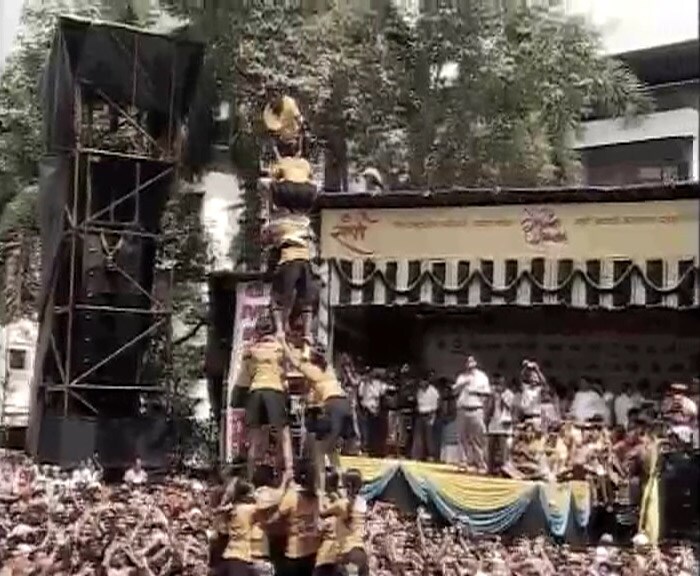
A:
(263, 367)
(240, 525)
(292, 169)
(302, 514)
(351, 531)
(287, 123)
(323, 384)
(329, 548)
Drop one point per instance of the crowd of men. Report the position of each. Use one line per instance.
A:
(53, 522)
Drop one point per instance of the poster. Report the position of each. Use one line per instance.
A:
(252, 299)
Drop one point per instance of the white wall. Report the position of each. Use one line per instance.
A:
(220, 214)
(628, 25)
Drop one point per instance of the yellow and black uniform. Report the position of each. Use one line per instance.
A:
(333, 510)
(238, 554)
(283, 118)
(352, 535)
(263, 373)
(301, 512)
(292, 187)
(293, 276)
(326, 392)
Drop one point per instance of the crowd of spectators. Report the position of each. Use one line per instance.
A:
(55, 523)
(525, 427)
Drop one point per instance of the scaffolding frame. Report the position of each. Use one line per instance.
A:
(91, 145)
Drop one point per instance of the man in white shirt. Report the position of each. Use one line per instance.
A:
(472, 389)
(622, 406)
(371, 391)
(427, 403)
(587, 403)
(136, 475)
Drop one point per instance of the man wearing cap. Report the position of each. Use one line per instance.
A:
(472, 389)
(263, 374)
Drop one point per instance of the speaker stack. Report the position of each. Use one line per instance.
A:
(113, 102)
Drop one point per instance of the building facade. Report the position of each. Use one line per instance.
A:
(660, 45)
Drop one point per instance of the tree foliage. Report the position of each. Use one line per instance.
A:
(490, 93)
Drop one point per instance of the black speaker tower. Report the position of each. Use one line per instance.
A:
(114, 98)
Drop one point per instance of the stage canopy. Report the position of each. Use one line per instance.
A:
(579, 248)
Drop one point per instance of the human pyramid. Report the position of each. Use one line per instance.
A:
(309, 509)
(281, 358)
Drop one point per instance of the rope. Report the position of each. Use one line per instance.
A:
(524, 276)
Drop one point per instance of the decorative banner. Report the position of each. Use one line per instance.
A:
(634, 230)
(252, 299)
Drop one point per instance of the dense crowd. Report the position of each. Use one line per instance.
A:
(52, 523)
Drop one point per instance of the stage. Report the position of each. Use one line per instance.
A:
(488, 505)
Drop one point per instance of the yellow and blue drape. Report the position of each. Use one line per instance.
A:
(485, 504)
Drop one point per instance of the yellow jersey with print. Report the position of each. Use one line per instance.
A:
(263, 367)
(293, 237)
(240, 525)
(351, 530)
(292, 169)
(285, 121)
(332, 509)
(302, 514)
(323, 384)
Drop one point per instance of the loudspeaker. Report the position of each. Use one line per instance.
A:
(679, 498)
(116, 441)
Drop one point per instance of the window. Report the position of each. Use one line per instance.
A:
(18, 359)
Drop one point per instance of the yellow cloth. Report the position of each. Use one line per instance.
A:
(263, 367)
(323, 384)
(292, 169)
(649, 512)
(240, 524)
(329, 548)
(293, 235)
(369, 468)
(302, 514)
(286, 122)
(351, 529)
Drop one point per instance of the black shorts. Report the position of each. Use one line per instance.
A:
(294, 196)
(339, 416)
(266, 407)
(358, 557)
(235, 568)
(300, 566)
(327, 570)
(293, 281)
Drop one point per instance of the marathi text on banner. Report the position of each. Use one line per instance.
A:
(252, 300)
